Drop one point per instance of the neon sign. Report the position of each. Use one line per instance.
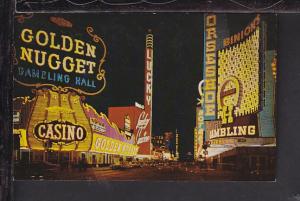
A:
(210, 69)
(59, 58)
(141, 125)
(60, 132)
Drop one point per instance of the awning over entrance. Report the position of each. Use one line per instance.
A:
(216, 150)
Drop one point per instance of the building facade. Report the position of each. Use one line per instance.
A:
(238, 94)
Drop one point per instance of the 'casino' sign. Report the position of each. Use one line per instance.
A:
(58, 55)
(60, 132)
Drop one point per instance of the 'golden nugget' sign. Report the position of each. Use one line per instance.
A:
(108, 145)
(60, 132)
(61, 43)
(69, 57)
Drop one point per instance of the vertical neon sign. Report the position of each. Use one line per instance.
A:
(145, 119)
(210, 67)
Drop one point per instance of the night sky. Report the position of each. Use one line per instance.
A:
(177, 67)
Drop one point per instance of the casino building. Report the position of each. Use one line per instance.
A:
(95, 138)
(58, 126)
(237, 99)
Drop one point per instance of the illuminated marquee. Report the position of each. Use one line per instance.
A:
(240, 36)
(229, 97)
(58, 118)
(210, 69)
(233, 131)
(245, 126)
(238, 89)
(144, 124)
(103, 144)
(59, 56)
(59, 132)
(62, 43)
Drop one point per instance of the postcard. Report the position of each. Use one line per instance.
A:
(145, 96)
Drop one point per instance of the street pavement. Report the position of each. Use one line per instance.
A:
(157, 173)
(144, 173)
